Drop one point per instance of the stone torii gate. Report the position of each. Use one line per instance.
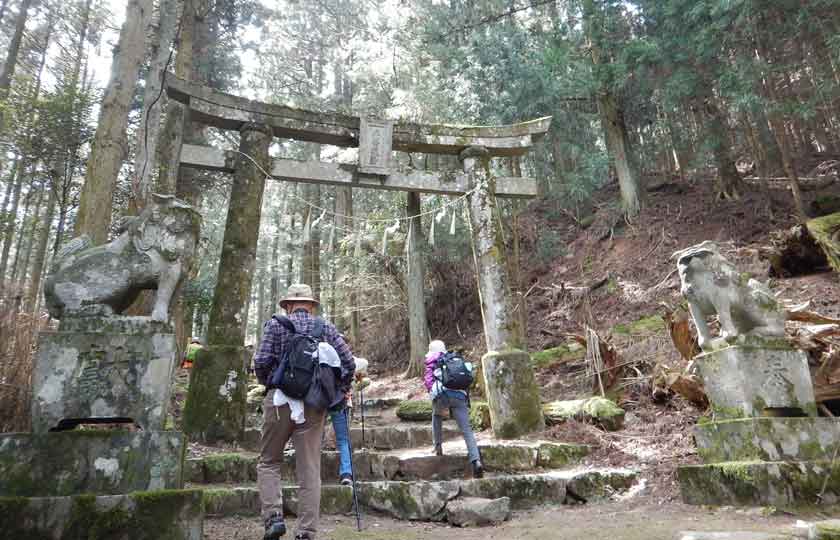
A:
(376, 139)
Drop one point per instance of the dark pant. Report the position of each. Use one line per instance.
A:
(458, 409)
(278, 428)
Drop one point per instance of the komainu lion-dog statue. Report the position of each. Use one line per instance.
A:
(713, 286)
(153, 251)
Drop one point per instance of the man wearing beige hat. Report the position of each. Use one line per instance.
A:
(285, 418)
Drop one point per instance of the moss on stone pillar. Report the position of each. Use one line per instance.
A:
(215, 408)
(512, 393)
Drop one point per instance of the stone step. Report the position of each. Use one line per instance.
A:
(821, 530)
(761, 483)
(426, 501)
(380, 403)
(406, 465)
(161, 514)
(734, 535)
(377, 437)
(396, 437)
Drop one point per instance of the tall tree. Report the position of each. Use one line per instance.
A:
(603, 21)
(153, 103)
(12, 55)
(110, 145)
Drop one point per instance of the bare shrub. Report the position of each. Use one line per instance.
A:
(453, 308)
(18, 334)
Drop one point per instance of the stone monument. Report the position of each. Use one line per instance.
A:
(101, 389)
(764, 443)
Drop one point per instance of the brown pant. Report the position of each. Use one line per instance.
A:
(278, 427)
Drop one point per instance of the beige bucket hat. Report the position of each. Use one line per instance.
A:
(298, 292)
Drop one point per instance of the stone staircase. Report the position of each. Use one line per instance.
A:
(398, 474)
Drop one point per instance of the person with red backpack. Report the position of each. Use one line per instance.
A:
(307, 368)
(448, 378)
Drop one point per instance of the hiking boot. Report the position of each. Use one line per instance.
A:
(275, 527)
(304, 536)
(438, 450)
(346, 479)
(478, 470)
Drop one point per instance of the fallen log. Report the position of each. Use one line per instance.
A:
(825, 231)
(793, 252)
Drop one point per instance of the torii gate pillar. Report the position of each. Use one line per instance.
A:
(512, 393)
(502, 329)
(215, 408)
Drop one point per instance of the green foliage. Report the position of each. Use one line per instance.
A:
(555, 355)
(645, 325)
(549, 246)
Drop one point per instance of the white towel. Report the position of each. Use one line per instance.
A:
(295, 405)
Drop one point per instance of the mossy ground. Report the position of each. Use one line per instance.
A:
(643, 326)
(557, 355)
(604, 521)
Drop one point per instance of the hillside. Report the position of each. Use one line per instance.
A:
(618, 278)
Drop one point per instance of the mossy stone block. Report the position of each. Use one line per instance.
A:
(93, 461)
(334, 500)
(421, 501)
(826, 530)
(525, 490)
(557, 455)
(415, 410)
(479, 415)
(761, 483)
(508, 457)
(599, 484)
(149, 515)
(229, 468)
(231, 501)
(768, 439)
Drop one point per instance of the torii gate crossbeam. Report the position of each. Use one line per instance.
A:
(474, 145)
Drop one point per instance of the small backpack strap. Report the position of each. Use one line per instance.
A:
(318, 329)
(286, 323)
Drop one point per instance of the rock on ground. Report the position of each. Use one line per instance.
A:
(471, 511)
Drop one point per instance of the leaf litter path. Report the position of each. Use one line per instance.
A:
(640, 519)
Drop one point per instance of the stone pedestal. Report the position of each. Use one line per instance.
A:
(753, 381)
(103, 369)
(768, 439)
(103, 462)
(67, 480)
(764, 444)
(156, 515)
(512, 393)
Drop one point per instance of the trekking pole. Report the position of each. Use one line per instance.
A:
(362, 412)
(353, 476)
